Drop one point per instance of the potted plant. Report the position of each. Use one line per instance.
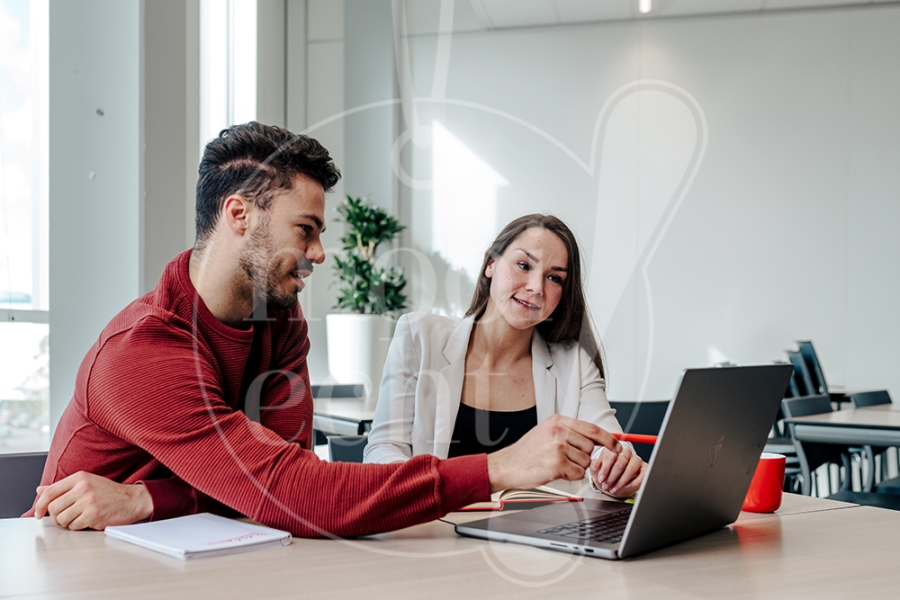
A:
(358, 338)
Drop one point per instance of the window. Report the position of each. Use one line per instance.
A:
(24, 283)
(227, 65)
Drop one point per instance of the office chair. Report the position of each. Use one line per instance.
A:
(20, 474)
(802, 378)
(813, 366)
(641, 417)
(347, 448)
(876, 398)
(811, 382)
(813, 455)
(793, 389)
(817, 373)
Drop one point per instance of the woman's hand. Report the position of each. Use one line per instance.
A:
(558, 448)
(618, 475)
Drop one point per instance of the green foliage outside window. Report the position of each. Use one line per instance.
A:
(365, 288)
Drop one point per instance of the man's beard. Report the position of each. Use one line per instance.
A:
(267, 279)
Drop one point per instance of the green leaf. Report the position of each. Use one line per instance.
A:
(365, 289)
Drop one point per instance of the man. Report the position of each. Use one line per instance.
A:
(158, 425)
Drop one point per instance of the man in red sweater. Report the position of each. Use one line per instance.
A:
(196, 396)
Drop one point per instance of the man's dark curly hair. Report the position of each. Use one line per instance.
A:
(255, 161)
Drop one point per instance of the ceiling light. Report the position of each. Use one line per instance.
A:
(645, 6)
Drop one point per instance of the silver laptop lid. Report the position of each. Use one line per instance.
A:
(709, 444)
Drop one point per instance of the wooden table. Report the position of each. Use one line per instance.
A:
(870, 425)
(812, 547)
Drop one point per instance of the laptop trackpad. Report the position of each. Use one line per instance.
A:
(567, 512)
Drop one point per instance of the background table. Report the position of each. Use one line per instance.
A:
(342, 416)
(871, 425)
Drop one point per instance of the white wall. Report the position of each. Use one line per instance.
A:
(786, 231)
(95, 176)
(872, 206)
(170, 132)
(323, 96)
(369, 78)
(270, 62)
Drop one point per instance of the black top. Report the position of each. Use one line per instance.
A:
(484, 431)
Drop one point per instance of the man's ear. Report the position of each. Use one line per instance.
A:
(236, 214)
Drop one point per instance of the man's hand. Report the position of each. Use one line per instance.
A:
(618, 474)
(558, 448)
(84, 500)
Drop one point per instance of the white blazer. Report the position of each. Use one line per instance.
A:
(422, 386)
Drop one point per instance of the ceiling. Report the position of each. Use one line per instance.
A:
(423, 16)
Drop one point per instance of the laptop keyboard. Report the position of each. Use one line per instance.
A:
(605, 528)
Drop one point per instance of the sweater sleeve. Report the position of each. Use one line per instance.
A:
(157, 391)
(171, 497)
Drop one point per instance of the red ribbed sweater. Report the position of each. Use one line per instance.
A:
(157, 401)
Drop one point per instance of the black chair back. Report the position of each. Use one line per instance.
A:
(338, 390)
(873, 398)
(20, 474)
(802, 377)
(347, 448)
(805, 406)
(793, 389)
(814, 367)
(641, 417)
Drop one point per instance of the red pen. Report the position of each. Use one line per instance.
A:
(635, 438)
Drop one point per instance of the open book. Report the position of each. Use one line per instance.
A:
(520, 499)
(196, 536)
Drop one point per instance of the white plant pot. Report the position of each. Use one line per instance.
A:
(357, 349)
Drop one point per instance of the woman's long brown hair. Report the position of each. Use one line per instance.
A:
(571, 320)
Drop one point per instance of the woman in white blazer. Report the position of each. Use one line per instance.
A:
(524, 351)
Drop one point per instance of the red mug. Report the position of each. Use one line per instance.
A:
(764, 495)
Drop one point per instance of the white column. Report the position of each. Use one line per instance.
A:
(95, 176)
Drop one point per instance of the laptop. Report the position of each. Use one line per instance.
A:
(709, 444)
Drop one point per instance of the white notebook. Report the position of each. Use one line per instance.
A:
(196, 536)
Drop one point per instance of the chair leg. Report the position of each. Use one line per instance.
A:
(806, 476)
(868, 456)
(844, 484)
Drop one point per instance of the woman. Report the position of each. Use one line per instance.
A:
(524, 351)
